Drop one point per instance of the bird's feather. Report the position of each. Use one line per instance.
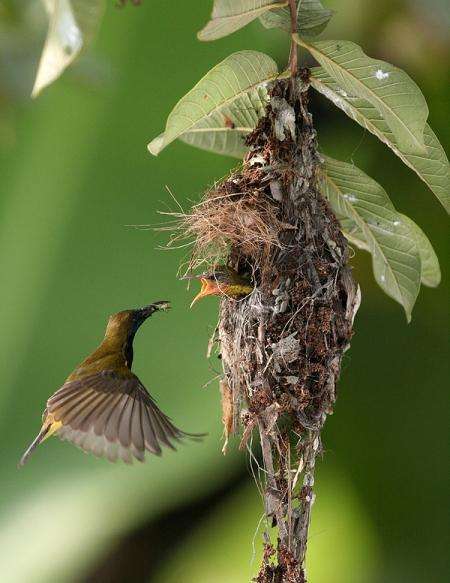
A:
(111, 414)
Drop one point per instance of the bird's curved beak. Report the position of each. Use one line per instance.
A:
(147, 311)
(209, 288)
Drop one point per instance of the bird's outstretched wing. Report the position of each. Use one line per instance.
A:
(113, 416)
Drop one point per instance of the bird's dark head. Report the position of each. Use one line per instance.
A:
(222, 280)
(127, 322)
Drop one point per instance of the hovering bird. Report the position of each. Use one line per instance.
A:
(103, 407)
(222, 280)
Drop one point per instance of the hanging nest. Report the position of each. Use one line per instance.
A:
(282, 345)
(236, 213)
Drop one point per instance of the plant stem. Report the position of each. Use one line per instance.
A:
(293, 56)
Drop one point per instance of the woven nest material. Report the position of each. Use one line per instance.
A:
(282, 346)
(236, 213)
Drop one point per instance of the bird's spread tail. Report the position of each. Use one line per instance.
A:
(43, 433)
(193, 436)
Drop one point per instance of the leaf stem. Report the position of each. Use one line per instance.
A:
(293, 56)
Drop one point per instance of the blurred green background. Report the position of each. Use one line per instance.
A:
(74, 174)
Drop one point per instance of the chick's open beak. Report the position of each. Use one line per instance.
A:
(208, 288)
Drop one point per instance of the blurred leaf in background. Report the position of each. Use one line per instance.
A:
(74, 172)
(71, 25)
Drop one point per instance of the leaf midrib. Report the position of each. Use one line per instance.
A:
(381, 135)
(312, 49)
(218, 129)
(255, 11)
(218, 107)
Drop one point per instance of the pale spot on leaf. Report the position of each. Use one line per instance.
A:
(381, 75)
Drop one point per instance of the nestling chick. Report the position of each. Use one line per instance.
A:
(222, 280)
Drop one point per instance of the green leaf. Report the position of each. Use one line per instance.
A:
(395, 257)
(224, 131)
(351, 230)
(231, 15)
(390, 90)
(431, 272)
(224, 106)
(312, 18)
(72, 24)
(432, 167)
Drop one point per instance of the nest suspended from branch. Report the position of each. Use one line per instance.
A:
(282, 345)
